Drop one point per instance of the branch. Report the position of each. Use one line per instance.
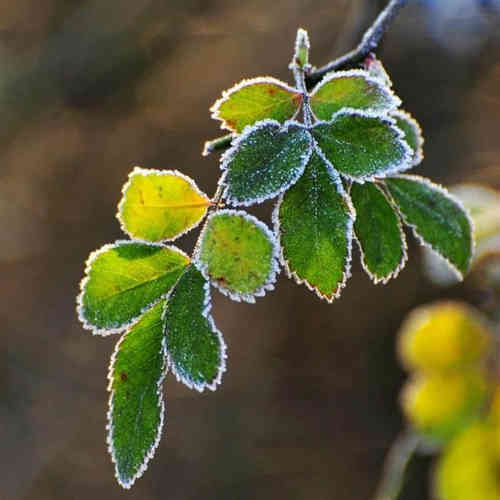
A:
(368, 43)
(396, 465)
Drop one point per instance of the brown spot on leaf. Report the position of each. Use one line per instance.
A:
(123, 376)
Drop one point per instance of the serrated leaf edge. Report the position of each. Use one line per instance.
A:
(349, 235)
(104, 332)
(139, 171)
(228, 156)
(207, 306)
(420, 239)
(419, 153)
(393, 100)
(404, 164)
(247, 82)
(273, 273)
(404, 257)
(128, 483)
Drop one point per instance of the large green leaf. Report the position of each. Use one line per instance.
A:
(437, 218)
(160, 205)
(362, 146)
(413, 134)
(122, 280)
(237, 252)
(379, 233)
(264, 161)
(351, 89)
(136, 407)
(254, 100)
(195, 347)
(314, 224)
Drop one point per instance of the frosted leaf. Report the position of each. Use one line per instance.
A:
(412, 134)
(136, 407)
(238, 254)
(196, 349)
(265, 161)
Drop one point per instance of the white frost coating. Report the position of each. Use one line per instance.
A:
(454, 199)
(376, 70)
(180, 377)
(419, 153)
(144, 172)
(128, 482)
(104, 332)
(208, 146)
(392, 100)
(228, 156)
(349, 236)
(404, 258)
(392, 169)
(301, 42)
(226, 95)
(273, 273)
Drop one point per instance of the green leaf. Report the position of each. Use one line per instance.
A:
(437, 219)
(314, 224)
(264, 161)
(412, 134)
(251, 101)
(136, 407)
(362, 146)
(160, 205)
(124, 279)
(237, 252)
(351, 89)
(196, 350)
(379, 233)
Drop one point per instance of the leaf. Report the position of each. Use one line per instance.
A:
(379, 233)
(351, 89)
(124, 279)
(412, 134)
(160, 205)
(437, 219)
(314, 224)
(376, 70)
(136, 407)
(237, 253)
(196, 349)
(362, 146)
(264, 161)
(253, 100)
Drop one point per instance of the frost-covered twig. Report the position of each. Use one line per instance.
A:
(368, 43)
(396, 465)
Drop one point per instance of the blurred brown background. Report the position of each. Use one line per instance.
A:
(88, 89)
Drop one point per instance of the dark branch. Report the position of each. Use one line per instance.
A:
(368, 43)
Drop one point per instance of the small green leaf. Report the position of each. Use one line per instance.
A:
(301, 55)
(351, 89)
(136, 407)
(437, 219)
(314, 224)
(251, 101)
(160, 205)
(378, 232)
(237, 252)
(196, 350)
(264, 161)
(122, 280)
(412, 134)
(363, 146)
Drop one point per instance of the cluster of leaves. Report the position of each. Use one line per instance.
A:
(451, 400)
(337, 177)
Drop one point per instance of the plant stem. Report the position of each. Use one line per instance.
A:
(396, 465)
(368, 43)
(219, 144)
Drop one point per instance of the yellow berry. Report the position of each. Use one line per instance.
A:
(468, 468)
(444, 336)
(439, 405)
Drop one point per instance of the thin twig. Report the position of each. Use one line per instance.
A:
(396, 465)
(368, 43)
(219, 144)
